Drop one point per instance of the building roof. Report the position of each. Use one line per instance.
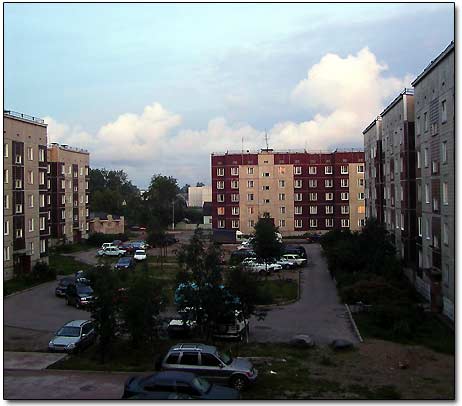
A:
(371, 125)
(24, 117)
(406, 91)
(434, 63)
(287, 151)
(65, 147)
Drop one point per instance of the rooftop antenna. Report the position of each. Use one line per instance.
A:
(266, 140)
(242, 151)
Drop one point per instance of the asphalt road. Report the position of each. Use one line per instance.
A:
(318, 312)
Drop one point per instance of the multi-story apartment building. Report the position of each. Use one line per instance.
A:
(301, 191)
(435, 175)
(26, 201)
(69, 183)
(410, 179)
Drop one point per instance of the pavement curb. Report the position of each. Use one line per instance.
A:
(353, 323)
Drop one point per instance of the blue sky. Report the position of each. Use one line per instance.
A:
(86, 66)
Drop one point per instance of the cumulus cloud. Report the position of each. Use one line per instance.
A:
(346, 92)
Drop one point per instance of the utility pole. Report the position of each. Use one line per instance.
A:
(173, 212)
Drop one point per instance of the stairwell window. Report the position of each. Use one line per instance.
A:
(30, 153)
(249, 171)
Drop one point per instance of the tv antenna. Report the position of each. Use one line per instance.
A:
(266, 140)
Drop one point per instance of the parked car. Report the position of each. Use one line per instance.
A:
(185, 383)
(127, 247)
(63, 283)
(160, 396)
(139, 245)
(125, 263)
(140, 255)
(107, 245)
(209, 363)
(295, 258)
(313, 238)
(286, 263)
(73, 336)
(79, 295)
(240, 255)
(295, 249)
(262, 268)
(111, 252)
(234, 327)
(116, 243)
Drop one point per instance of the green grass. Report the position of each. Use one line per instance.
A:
(277, 291)
(431, 333)
(65, 265)
(18, 284)
(70, 248)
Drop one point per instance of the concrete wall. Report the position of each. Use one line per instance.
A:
(109, 226)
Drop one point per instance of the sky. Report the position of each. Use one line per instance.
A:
(156, 88)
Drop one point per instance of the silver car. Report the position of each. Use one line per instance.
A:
(207, 362)
(73, 336)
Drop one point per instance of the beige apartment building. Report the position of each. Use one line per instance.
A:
(69, 187)
(26, 201)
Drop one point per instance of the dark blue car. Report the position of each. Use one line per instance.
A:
(125, 263)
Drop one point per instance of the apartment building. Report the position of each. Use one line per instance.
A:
(26, 200)
(301, 191)
(69, 184)
(410, 179)
(198, 195)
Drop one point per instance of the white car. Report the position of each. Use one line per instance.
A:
(286, 263)
(295, 258)
(111, 252)
(262, 268)
(140, 255)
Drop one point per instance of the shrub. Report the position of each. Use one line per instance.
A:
(98, 239)
(42, 272)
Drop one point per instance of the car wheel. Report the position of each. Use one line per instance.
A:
(239, 382)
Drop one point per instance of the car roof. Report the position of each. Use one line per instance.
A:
(193, 346)
(76, 323)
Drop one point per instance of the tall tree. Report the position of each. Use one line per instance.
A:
(266, 243)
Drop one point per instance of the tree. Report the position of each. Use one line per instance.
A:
(266, 243)
(104, 312)
(200, 184)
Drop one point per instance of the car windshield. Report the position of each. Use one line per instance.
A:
(124, 260)
(83, 289)
(69, 332)
(66, 281)
(201, 384)
(139, 252)
(227, 359)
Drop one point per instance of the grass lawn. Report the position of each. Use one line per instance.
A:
(431, 333)
(277, 291)
(18, 284)
(67, 265)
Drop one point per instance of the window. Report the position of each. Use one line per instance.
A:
(235, 211)
(250, 210)
(250, 197)
(401, 164)
(427, 230)
(30, 223)
(63, 214)
(427, 193)
(313, 183)
(220, 171)
(63, 184)
(209, 360)
(298, 183)
(419, 192)
(234, 184)
(445, 193)
(42, 223)
(444, 111)
(31, 200)
(298, 223)
(69, 184)
(220, 184)
(81, 171)
(265, 174)
(434, 167)
(344, 169)
(265, 187)
(329, 196)
(81, 199)
(266, 201)
(282, 196)
(313, 210)
(221, 211)
(31, 177)
(6, 253)
(298, 210)
(251, 223)
(18, 208)
(282, 209)
(361, 182)
(235, 171)
(298, 197)
(436, 243)
(18, 159)
(426, 157)
(221, 223)
(6, 202)
(41, 178)
(282, 223)
(43, 246)
(5, 176)
(282, 183)
(360, 168)
(220, 198)
(344, 182)
(312, 170)
(86, 198)
(328, 170)
(345, 223)
(6, 227)
(5, 150)
(425, 122)
(313, 223)
(419, 226)
(63, 199)
(444, 152)
(445, 234)
(19, 233)
(361, 196)
(250, 183)
(418, 159)
(313, 197)
(401, 193)
(329, 183)
(344, 196)
(345, 209)
(234, 197)
(329, 222)
(41, 154)
(282, 170)
(297, 170)
(30, 153)
(329, 209)
(235, 224)
(249, 171)
(402, 222)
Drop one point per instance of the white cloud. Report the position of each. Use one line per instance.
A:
(347, 92)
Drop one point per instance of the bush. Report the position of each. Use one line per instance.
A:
(98, 239)
(43, 272)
